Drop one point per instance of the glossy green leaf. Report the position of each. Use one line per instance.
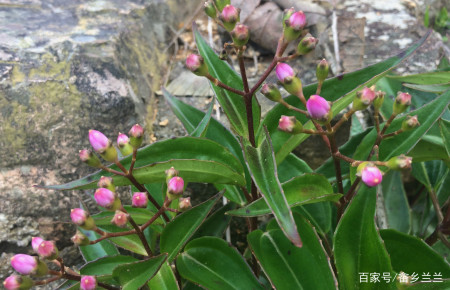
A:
(439, 88)
(177, 233)
(402, 143)
(304, 189)
(358, 247)
(425, 150)
(216, 224)
(289, 267)
(261, 164)
(132, 276)
(232, 104)
(340, 90)
(98, 250)
(190, 116)
(164, 279)
(197, 160)
(128, 242)
(291, 167)
(412, 255)
(429, 78)
(319, 214)
(431, 173)
(444, 127)
(105, 265)
(214, 264)
(195, 127)
(396, 202)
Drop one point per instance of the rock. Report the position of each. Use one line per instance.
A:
(67, 67)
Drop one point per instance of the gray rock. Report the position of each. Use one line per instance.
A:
(67, 67)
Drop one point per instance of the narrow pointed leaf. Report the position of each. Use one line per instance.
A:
(261, 164)
(412, 255)
(289, 267)
(164, 279)
(214, 264)
(178, 232)
(396, 202)
(358, 247)
(304, 189)
(429, 78)
(340, 90)
(216, 224)
(128, 242)
(232, 104)
(132, 276)
(105, 265)
(197, 160)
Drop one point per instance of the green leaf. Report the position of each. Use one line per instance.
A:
(340, 90)
(445, 284)
(214, 264)
(358, 247)
(105, 265)
(318, 214)
(440, 88)
(304, 189)
(289, 267)
(195, 126)
(181, 229)
(216, 224)
(190, 116)
(444, 127)
(396, 202)
(164, 279)
(128, 242)
(429, 78)
(197, 160)
(232, 104)
(98, 250)
(261, 164)
(402, 143)
(291, 167)
(412, 255)
(132, 276)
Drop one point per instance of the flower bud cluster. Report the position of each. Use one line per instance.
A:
(103, 146)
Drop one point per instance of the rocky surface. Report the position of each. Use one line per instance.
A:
(67, 67)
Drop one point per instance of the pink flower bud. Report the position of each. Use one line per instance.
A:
(136, 134)
(88, 283)
(271, 92)
(196, 64)
(401, 162)
(120, 219)
(80, 239)
(318, 108)
(89, 158)
(363, 98)
(185, 204)
(122, 140)
(79, 216)
(98, 141)
(16, 282)
(289, 124)
(284, 72)
(139, 199)
(47, 250)
(220, 4)
(229, 17)
(371, 175)
(402, 102)
(410, 123)
(35, 241)
(240, 35)
(104, 197)
(175, 185)
(297, 20)
(24, 264)
(307, 44)
(106, 182)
